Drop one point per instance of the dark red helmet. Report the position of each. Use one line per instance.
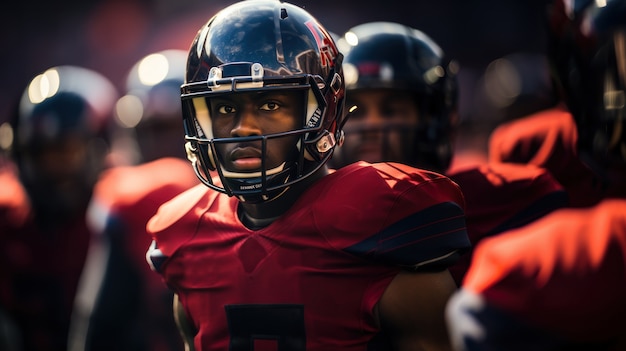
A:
(262, 45)
(390, 55)
(587, 48)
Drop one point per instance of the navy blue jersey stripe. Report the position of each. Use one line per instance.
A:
(536, 210)
(425, 235)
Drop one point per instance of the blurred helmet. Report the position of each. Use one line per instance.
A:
(387, 55)
(60, 139)
(587, 48)
(515, 86)
(151, 111)
(258, 46)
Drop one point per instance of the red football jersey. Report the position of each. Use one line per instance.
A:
(548, 139)
(40, 266)
(124, 200)
(503, 196)
(309, 280)
(132, 195)
(559, 280)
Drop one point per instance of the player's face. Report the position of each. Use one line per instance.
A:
(60, 163)
(382, 127)
(256, 114)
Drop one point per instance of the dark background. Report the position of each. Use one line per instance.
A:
(111, 35)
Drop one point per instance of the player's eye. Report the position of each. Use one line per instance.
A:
(270, 106)
(225, 109)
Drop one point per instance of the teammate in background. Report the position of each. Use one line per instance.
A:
(59, 143)
(122, 304)
(406, 95)
(150, 114)
(559, 283)
(542, 134)
(277, 251)
(404, 90)
(12, 200)
(499, 195)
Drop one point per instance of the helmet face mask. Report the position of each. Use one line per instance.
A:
(299, 60)
(380, 129)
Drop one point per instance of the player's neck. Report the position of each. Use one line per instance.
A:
(258, 215)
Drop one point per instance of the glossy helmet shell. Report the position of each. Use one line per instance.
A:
(91, 98)
(257, 45)
(64, 102)
(587, 49)
(390, 55)
(150, 111)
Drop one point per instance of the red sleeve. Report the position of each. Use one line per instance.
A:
(502, 197)
(131, 195)
(125, 186)
(176, 220)
(564, 273)
(394, 213)
(547, 139)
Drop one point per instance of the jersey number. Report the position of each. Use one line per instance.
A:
(266, 327)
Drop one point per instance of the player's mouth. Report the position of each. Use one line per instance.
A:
(246, 159)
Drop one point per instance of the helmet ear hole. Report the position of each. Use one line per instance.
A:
(191, 152)
(192, 155)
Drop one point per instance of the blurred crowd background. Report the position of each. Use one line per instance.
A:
(109, 36)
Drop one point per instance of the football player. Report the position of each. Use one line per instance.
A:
(405, 93)
(60, 141)
(558, 283)
(543, 133)
(274, 250)
(122, 304)
(402, 90)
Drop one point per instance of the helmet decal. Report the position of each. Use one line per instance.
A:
(325, 44)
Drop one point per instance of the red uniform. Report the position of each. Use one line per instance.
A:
(557, 281)
(501, 196)
(124, 200)
(309, 280)
(548, 139)
(40, 266)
